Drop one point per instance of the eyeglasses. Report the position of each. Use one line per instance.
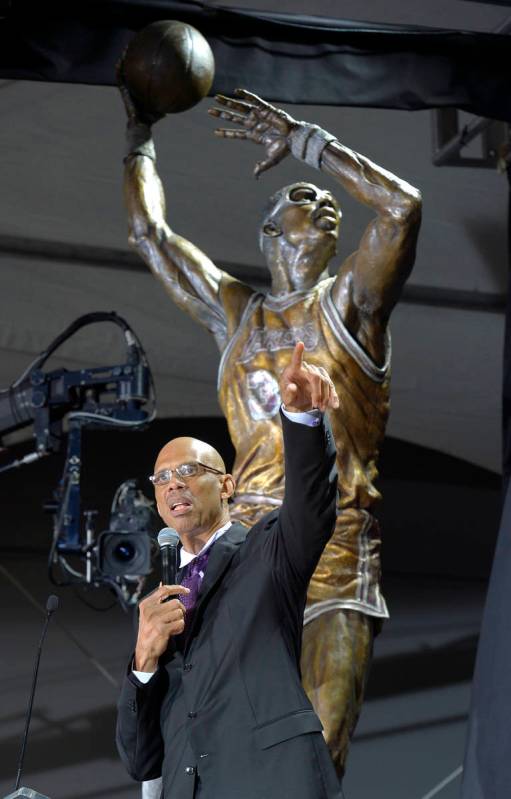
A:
(184, 471)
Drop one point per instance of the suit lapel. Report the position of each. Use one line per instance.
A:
(221, 555)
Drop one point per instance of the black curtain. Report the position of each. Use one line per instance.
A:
(283, 57)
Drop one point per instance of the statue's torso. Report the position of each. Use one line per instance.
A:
(249, 397)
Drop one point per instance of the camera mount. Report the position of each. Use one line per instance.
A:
(120, 396)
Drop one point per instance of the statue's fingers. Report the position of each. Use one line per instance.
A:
(252, 98)
(229, 116)
(230, 133)
(230, 102)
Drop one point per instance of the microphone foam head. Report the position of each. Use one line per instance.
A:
(168, 537)
(52, 603)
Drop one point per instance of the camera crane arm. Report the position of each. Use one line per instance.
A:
(105, 396)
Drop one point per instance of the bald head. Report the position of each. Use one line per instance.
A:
(197, 505)
(186, 448)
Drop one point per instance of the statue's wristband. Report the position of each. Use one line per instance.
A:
(307, 143)
(139, 141)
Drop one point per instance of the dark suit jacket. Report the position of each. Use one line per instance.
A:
(227, 717)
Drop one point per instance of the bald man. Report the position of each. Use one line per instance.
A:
(212, 700)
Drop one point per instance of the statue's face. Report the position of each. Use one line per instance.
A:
(301, 217)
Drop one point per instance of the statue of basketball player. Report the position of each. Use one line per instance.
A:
(342, 321)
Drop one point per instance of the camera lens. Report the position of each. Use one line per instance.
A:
(124, 551)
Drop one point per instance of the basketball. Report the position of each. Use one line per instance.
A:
(168, 67)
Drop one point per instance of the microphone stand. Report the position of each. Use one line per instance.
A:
(51, 606)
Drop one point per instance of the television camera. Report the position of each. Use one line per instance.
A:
(120, 396)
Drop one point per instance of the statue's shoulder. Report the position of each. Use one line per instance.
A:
(235, 296)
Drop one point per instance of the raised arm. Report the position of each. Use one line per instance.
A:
(210, 295)
(307, 516)
(373, 276)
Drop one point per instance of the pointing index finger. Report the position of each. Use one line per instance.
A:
(297, 356)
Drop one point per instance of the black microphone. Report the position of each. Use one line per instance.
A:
(168, 539)
(52, 604)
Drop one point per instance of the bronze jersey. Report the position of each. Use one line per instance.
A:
(349, 570)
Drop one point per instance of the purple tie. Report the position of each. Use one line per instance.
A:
(192, 579)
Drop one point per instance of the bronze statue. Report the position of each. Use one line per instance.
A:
(342, 321)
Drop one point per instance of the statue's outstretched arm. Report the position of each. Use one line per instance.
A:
(371, 278)
(210, 295)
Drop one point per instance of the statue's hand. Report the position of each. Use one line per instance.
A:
(260, 122)
(135, 114)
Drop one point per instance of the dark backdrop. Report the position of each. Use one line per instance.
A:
(284, 57)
